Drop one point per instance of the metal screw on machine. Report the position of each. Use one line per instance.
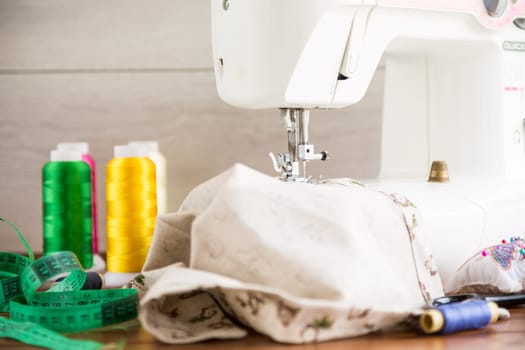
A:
(306, 152)
(520, 23)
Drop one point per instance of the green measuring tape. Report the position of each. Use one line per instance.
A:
(34, 334)
(64, 307)
(11, 267)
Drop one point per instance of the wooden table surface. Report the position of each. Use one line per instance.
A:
(504, 335)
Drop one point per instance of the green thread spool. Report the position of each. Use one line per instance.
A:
(66, 206)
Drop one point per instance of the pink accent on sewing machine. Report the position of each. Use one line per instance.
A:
(513, 10)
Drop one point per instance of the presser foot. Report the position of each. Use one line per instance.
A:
(296, 122)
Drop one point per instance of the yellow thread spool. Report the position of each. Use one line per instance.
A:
(131, 207)
(152, 151)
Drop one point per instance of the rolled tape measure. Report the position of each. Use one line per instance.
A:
(64, 307)
(11, 267)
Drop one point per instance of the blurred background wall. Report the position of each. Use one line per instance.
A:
(107, 72)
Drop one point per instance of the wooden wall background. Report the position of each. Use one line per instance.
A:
(107, 72)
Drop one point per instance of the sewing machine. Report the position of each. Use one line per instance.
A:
(454, 91)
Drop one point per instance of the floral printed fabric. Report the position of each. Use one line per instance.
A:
(499, 269)
(295, 261)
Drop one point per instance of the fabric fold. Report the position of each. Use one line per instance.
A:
(298, 262)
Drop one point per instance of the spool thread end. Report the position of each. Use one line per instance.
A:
(431, 321)
(494, 311)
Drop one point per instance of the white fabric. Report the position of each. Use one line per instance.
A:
(295, 261)
(500, 271)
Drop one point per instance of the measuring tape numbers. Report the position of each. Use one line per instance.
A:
(11, 267)
(36, 315)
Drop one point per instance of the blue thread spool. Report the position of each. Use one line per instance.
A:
(456, 317)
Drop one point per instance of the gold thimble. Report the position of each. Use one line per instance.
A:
(438, 171)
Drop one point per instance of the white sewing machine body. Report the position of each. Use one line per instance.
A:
(454, 91)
